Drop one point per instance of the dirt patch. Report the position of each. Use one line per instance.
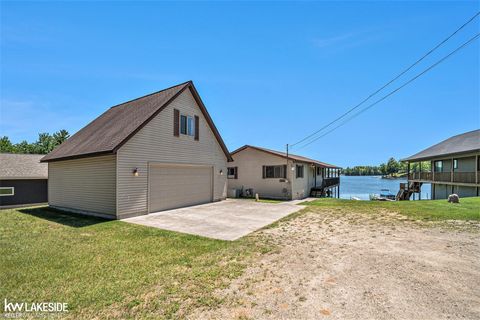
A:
(351, 265)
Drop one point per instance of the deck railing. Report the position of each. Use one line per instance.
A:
(327, 182)
(459, 177)
(465, 177)
(443, 177)
(420, 176)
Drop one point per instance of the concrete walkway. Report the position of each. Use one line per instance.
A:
(230, 219)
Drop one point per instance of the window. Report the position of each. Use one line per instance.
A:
(455, 164)
(183, 124)
(7, 191)
(274, 172)
(232, 173)
(319, 171)
(299, 169)
(439, 166)
(190, 126)
(187, 125)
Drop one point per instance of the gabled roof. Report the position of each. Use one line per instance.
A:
(462, 143)
(107, 133)
(22, 166)
(290, 156)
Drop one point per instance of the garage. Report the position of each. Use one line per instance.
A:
(176, 185)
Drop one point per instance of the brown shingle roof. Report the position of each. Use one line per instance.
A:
(107, 133)
(290, 156)
(22, 166)
(462, 143)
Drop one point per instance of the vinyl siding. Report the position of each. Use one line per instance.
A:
(83, 184)
(156, 143)
(250, 164)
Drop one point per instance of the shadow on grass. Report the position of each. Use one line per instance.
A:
(62, 217)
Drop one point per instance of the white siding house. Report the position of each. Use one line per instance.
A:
(273, 175)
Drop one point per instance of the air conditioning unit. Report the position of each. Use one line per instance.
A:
(234, 193)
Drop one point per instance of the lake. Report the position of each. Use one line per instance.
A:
(362, 186)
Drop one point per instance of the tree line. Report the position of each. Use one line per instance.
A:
(391, 168)
(45, 143)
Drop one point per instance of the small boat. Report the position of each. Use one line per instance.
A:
(385, 195)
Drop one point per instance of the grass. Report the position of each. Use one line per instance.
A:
(112, 268)
(270, 201)
(264, 200)
(467, 209)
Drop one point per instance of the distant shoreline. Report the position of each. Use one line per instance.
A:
(377, 175)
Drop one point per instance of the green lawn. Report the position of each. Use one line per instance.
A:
(467, 209)
(112, 268)
(115, 269)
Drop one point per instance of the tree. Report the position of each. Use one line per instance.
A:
(392, 166)
(60, 136)
(6, 145)
(24, 147)
(383, 169)
(43, 145)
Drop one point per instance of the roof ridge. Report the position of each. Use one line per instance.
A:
(153, 93)
(283, 154)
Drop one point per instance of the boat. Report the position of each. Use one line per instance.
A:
(385, 195)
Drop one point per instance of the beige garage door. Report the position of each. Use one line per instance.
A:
(175, 186)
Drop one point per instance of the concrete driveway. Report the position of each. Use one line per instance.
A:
(225, 220)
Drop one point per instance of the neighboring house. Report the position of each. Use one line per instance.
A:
(154, 153)
(23, 179)
(455, 164)
(273, 174)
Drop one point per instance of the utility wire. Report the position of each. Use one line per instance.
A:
(389, 82)
(396, 90)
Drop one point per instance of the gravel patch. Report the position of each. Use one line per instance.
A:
(334, 264)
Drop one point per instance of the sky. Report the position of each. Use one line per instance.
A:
(269, 73)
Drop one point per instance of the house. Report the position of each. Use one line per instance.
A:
(23, 179)
(453, 164)
(154, 153)
(276, 175)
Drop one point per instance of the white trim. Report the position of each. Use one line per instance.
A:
(6, 188)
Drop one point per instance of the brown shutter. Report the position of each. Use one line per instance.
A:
(197, 129)
(236, 172)
(176, 122)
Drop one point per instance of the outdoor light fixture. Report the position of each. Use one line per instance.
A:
(135, 172)
(221, 172)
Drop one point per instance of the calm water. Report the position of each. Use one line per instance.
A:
(362, 186)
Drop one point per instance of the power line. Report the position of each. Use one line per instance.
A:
(396, 90)
(389, 82)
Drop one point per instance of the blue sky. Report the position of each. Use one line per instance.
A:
(269, 72)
